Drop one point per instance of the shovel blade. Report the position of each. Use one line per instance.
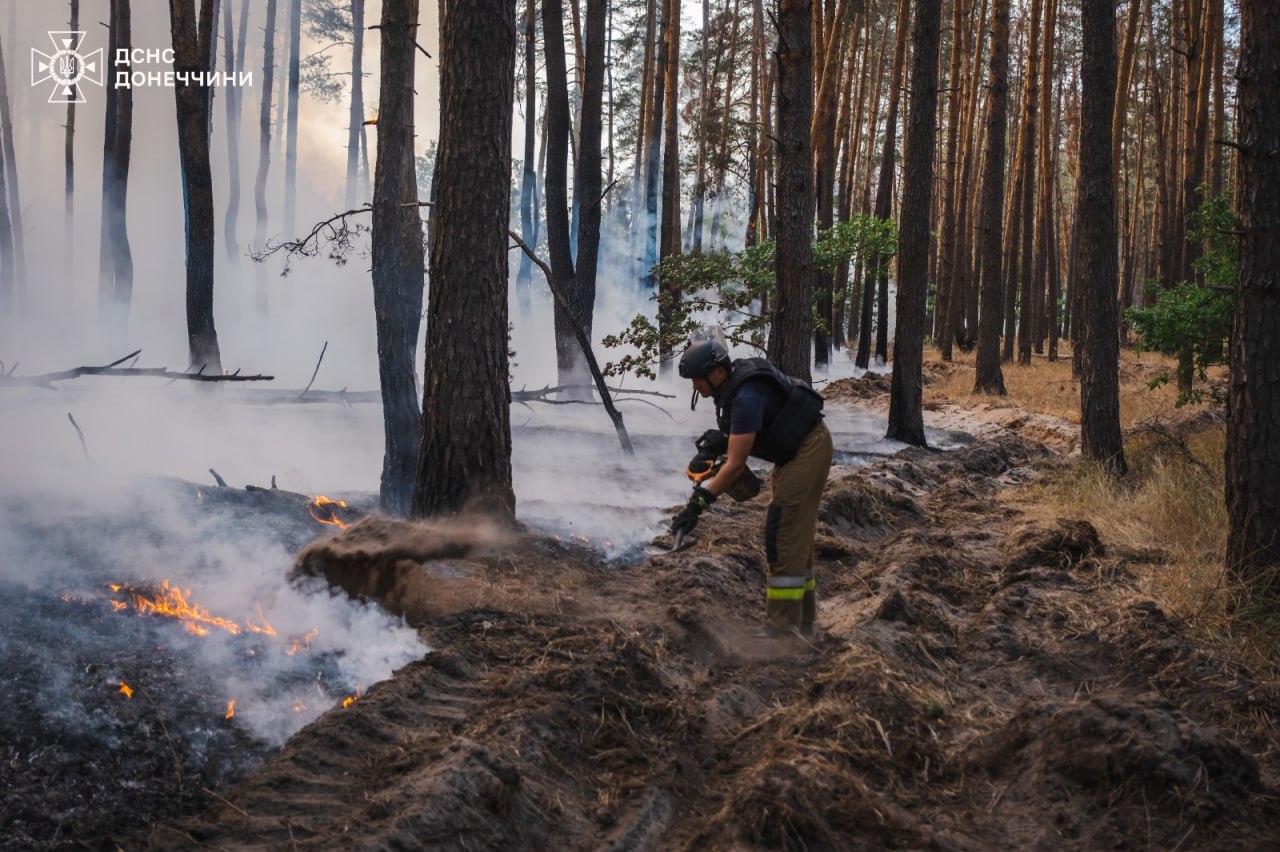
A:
(679, 542)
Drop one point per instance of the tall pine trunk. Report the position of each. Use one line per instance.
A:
(568, 353)
(989, 378)
(791, 337)
(1100, 437)
(669, 241)
(529, 182)
(465, 458)
(397, 256)
(291, 120)
(115, 260)
(192, 42)
(264, 158)
(906, 419)
(1253, 410)
(355, 121)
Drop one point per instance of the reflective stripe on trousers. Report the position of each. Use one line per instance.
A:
(790, 523)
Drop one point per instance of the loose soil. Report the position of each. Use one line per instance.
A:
(979, 680)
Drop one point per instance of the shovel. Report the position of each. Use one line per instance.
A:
(678, 543)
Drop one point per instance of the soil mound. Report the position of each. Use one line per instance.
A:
(971, 686)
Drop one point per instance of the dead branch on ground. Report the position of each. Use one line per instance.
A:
(46, 380)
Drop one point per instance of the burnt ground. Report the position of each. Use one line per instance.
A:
(979, 681)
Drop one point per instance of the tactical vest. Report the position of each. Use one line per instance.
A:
(778, 440)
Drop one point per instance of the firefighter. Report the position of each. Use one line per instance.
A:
(771, 416)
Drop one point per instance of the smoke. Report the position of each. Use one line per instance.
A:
(81, 530)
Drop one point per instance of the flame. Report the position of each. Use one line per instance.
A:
(200, 495)
(352, 699)
(231, 709)
(264, 628)
(303, 644)
(126, 690)
(173, 602)
(299, 707)
(118, 605)
(328, 506)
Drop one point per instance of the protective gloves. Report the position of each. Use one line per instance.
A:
(688, 517)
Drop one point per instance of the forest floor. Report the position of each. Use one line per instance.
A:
(989, 672)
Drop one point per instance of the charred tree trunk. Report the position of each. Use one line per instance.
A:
(587, 183)
(115, 260)
(69, 169)
(669, 242)
(1252, 468)
(653, 159)
(291, 118)
(792, 333)
(355, 123)
(264, 157)
(13, 196)
(233, 59)
(569, 364)
(989, 378)
(465, 461)
(529, 182)
(192, 43)
(6, 239)
(1100, 438)
(906, 420)
(755, 195)
(397, 255)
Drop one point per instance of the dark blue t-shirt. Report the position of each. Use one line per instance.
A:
(757, 402)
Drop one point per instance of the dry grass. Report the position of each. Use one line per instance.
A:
(1170, 506)
(1048, 387)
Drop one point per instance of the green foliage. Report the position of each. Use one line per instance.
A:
(862, 235)
(728, 287)
(1193, 320)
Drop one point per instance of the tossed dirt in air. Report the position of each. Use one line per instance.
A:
(979, 681)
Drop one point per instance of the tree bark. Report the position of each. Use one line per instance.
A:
(569, 366)
(115, 260)
(1030, 111)
(906, 420)
(13, 196)
(355, 121)
(264, 158)
(528, 182)
(232, 60)
(669, 239)
(587, 186)
(989, 378)
(1100, 437)
(192, 43)
(943, 333)
(69, 169)
(291, 118)
(397, 255)
(653, 159)
(792, 333)
(1253, 410)
(465, 461)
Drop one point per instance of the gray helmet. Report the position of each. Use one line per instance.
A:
(701, 357)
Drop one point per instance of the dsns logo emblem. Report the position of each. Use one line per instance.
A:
(66, 67)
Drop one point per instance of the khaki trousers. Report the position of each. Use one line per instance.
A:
(790, 523)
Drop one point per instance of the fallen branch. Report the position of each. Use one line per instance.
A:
(83, 446)
(583, 342)
(46, 380)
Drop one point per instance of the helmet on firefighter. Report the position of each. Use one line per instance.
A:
(701, 357)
